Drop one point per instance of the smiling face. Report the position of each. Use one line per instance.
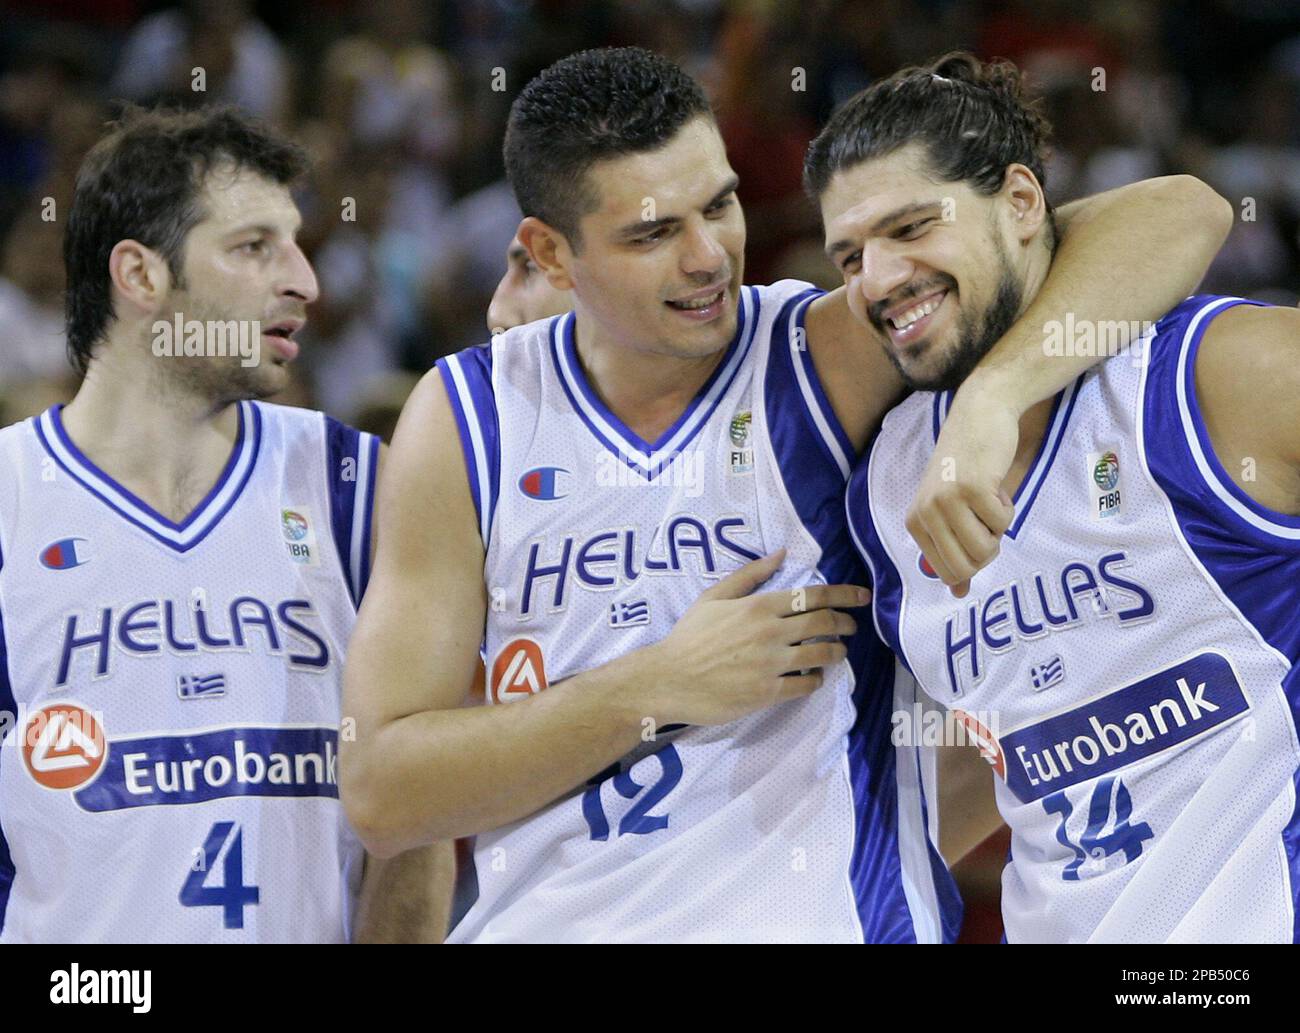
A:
(937, 269)
(241, 262)
(659, 263)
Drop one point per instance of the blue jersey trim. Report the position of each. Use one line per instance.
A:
(368, 513)
(347, 450)
(649, 460)
(1057, 421)
(203, 518)
(467, 379)
(830, 430)
(7, 706)
(796, 413)
(1212, 472)
(886, 580)
(1257, 571)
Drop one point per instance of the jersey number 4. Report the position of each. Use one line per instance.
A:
(1110, 806)
(638, 820)
(231, 895)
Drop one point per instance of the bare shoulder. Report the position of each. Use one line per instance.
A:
(1248, 371)
(425, 484)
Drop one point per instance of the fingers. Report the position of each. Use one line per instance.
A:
(961, 533)
(995, 512)
(972, 536)
(805, 599)
(952, 557)
(742, 582)
(816, 654)
(817, 624)
(793, 686)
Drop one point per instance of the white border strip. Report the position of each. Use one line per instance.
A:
(799, 357)
(360, 494)
(113, 494)
(1194, 442)
(476, 440)
(913, 836)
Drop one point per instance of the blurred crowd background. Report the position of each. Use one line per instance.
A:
(402, 105)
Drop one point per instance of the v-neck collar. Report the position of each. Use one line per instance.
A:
(202, 519)
(1062, 406)
(650, 458)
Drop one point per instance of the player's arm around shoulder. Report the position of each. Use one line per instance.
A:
(1247, 382)
(860, 382)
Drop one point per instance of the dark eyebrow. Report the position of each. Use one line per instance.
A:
(898, 213)
(263, 228)
(635, 229)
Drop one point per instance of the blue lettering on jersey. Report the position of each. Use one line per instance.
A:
(610, 557)
(1037, 606)
(154, 626)
(1122, 727)
(192, 768)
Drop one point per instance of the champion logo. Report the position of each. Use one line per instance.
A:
(65, 554)
(546, 483)
(923, 565)
(519, 671)
(63, 746)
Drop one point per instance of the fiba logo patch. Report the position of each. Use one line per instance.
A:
(518, 672)
(299, 535)
(65, 554)
(741, 455)
(1103, 469)
(63, 746)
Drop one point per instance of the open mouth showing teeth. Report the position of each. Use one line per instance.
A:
(905, 319)
(712, 299)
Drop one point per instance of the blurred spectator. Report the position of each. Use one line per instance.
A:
(31, 299)
(242, 61)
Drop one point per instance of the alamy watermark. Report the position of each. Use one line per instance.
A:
(215, 338)
(1102, 338)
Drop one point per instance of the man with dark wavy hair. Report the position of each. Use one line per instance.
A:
(1135, 634)
(594, 500)
(180, 566)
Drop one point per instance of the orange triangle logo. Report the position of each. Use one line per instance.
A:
(518, 671)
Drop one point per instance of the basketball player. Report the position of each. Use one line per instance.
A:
(180, 570)
(1135, 638)
(524, 294)
(655, 761)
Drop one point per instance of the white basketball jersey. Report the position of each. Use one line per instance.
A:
(1128, 658)
(800, 822)
(172, 773)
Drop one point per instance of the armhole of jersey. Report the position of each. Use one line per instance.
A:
(794, 345)
(467, 378)
(886, 583)
(812, 464)
(7, 706)
(1172, 383)
(351, 463)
